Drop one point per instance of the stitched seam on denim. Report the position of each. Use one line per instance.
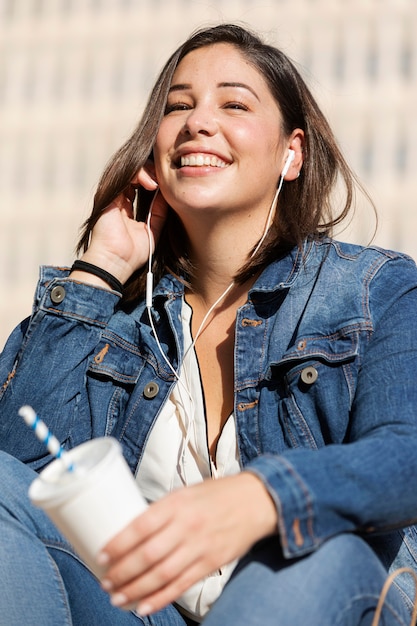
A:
(287, 422)
(62, 590)
(350, 381)
(131, 379)
(113, 374)
(345, 332)
(411, 546)
(374, 598)
(370, 274)
(308, 501)
(240, 385)
(340, 356)
(148, 358)
(407, 600)
(386, 255)
(121, 342)
(71, 315)
(113, 409)
(301, 421)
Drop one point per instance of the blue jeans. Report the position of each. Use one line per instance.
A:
(337, 585)
(42, 582)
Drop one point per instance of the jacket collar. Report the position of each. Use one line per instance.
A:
(279, 276)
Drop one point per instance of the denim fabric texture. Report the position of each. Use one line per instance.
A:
(43, 582)
(325, 387)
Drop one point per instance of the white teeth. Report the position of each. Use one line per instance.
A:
(199, 160)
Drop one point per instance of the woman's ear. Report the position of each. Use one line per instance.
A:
(296, 144)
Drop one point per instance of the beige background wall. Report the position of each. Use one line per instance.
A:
(74, 76)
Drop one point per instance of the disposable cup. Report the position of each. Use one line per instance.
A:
(93, 500)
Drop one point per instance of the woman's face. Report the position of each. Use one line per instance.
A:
(219, 146)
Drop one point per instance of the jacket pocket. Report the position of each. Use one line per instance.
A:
(315, 381)
(112, 374)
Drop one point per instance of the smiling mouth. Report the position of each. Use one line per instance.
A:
(201, 160)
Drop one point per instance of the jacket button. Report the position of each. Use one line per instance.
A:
(309, 375)
(57, 294)
(151, 390)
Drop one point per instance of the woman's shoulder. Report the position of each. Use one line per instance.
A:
(376, 273)
(369, 258)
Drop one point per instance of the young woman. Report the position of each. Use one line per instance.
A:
(259, 375)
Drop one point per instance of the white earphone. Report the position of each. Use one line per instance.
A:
(149, 275)
(182, 384)
(290, 159)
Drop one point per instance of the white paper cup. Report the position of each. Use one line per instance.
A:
(94, 501)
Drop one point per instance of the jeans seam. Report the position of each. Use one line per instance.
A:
(62, 590)
(64, 547)
(387, 606)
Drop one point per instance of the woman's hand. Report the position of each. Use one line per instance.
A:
(184, 537)
(119, 244)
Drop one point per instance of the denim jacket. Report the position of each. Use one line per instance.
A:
(325, 385)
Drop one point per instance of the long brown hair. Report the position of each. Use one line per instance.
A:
(305, 208)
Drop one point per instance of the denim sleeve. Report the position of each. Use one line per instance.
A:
(367, 483)
(45, 360)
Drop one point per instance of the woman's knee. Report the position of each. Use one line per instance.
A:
(16, 508)
(339, 583)
(16, 479)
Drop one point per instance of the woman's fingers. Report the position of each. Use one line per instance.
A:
(185, 536)
(171, 580)
(158, 215)
(133, 554)
(145, 177)
(157, 570)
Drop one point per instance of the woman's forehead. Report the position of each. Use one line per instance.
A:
(222, 63)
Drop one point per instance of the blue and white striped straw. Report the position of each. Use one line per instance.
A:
(44, 434)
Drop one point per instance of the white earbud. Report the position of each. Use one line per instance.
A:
(290, 159)
(149, 275)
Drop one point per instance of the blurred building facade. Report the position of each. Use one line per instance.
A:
(75, 74)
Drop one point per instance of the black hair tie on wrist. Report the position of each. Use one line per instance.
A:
(112, 281)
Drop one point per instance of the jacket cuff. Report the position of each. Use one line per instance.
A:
(296, 516)
(59, 295)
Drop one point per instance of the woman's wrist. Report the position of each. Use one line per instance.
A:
(98, 272)
(262, 507)
(101, 271)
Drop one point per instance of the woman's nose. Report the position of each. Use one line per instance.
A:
(200, 120)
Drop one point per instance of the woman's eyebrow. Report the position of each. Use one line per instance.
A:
(239, 85)
(180, 87)
(185, 86)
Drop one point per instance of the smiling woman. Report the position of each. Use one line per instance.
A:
(263, 391)
(305, 206)
(237, 123)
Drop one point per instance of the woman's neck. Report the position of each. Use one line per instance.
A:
(218, 254)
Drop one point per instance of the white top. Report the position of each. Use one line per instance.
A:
(176, 454)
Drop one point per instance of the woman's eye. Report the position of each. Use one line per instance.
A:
(176, 106)
(237, 106)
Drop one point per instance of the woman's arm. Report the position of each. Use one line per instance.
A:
(45, 366)
(366, 482)
(45, 361)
